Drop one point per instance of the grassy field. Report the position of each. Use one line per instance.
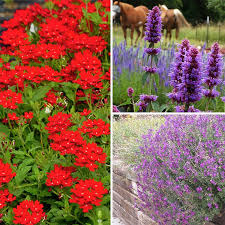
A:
(196, 35)
(127, 133)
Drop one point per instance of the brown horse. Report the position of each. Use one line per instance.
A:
(132, 18)
(172, 19)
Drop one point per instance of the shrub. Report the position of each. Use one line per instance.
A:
(182, 170)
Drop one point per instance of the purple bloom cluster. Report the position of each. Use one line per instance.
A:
(153, 35)
(190, 89)
(153, 25)
(213, 71)
(181, 170)
(190, 109)
(145, 100)
(130, 92)
(176, 72)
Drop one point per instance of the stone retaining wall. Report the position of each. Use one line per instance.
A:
(125, 197)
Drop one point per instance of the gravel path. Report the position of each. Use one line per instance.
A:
(116, 221)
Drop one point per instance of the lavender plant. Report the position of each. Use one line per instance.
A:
(176, 72)
(213, 73)
(181, 170)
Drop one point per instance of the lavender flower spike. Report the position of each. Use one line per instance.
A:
(213, 71)
(153, 26)
(176, 72)
(190, 90)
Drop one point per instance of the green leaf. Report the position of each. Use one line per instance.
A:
(30, 137)
(144, 77)
(40, 92)
(21, 174)
(4, 130)
(128, 102)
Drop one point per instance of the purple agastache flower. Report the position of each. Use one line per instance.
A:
(153, 35)
(179, 169)
(152, 51)
(142, 105)
(115, 109)
(190, 109)
(153, 25)
(223, 99)
(130, 92)
(213, 71)
(190, 89)
(148, 98)
(176, 71)
(210, 93)
(150, 69)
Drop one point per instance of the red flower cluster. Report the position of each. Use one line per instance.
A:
(95, 128)
(5, 197)
(51, 98)
(28, 115)
(28, 212)
(34, 52)
(68, 142)
(58, 123)
(85, 112)
(87, 193)
(89, 155)
(6, 173)
(61, 176)
(13, 116)
(9, 99)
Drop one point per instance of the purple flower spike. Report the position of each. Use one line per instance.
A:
(130, 92)
(213, 70)
(153, 26)
(176, 71)
(148, 98)
(190, 90)
(150, 69)
(152, 51)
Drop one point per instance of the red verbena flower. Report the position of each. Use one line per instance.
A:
(87, 193)
(51, 98)
(5, 197)
(28, 212)
(61, 176)
(9, 99)
(12, 116)
(89, 155)
(28, 115)
(95, 128)
(6, 173)
(58, 123)
(85, 112)
(68, 142)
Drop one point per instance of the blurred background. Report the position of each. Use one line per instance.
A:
(8, 7)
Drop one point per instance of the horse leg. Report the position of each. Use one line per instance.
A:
(132, 34)
(125, 33)
(138, 35)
